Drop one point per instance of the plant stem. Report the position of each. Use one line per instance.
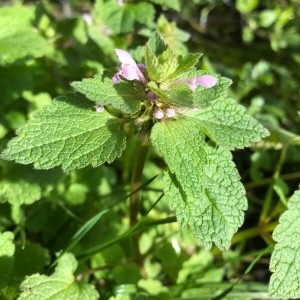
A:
(269, 195)
(136, 182)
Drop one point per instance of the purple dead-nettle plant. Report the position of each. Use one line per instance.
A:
(157, 107)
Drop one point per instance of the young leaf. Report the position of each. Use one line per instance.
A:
(179, 94)
(203, 184)
(186, 63)
(160, 64)
(285, 259)
(228, 124)
(68, 133)
(156, 44)
(125, 96)
(60, 285)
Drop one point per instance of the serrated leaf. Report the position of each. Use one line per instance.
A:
(203, 185)
(60, 285)
(125, 96)
(18, 39)
(228, 124)
(69, 133)
(186, 63)
(205, 97)
(285, 259)
(160, 60)
(156, 44)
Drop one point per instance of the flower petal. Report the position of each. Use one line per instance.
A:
(125, 58)
(206, 81)
(116, 78)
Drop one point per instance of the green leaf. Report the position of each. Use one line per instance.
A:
(113, 16)
(228, 124)
(203, 184)
(18, 189)
(125, 96)
(285, 259)
(144, 13)
(18, 39)
(186, 63)
(124, 18)
(160, 60)
(7, 247)
(156, 44)
(69, 133)
(60, 285)
(205, 97)
(84, 229)
(7, 250)
(19, 192)
(179, 94)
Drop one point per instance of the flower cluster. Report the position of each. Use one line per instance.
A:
(130, 70)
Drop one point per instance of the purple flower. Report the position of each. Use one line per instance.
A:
(129, 68)
(206, 81)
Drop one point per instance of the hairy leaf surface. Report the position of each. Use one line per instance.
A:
(60, 285)
(228, 124)
(203, 184)
(125, 96)
(70, 133)
(285, 259)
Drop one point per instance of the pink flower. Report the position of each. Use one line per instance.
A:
(206, 81)
(129, 68)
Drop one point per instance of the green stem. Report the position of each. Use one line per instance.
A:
(266, 181)
(268, 199)
(136, 182)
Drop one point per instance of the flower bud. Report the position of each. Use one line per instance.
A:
(158, 114)
(170, 112)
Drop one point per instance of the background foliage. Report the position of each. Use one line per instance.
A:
(81, 217)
